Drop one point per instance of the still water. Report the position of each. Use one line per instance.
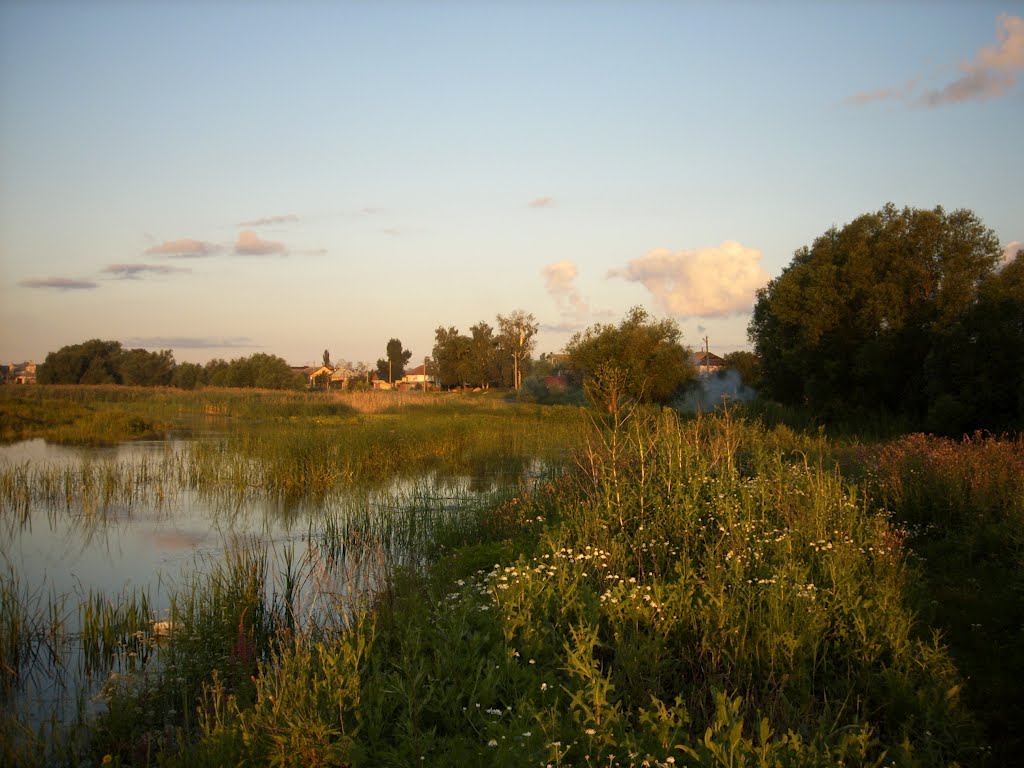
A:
(60, 549)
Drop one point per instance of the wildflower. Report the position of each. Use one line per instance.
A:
(492, 743)
(527, 734)
(590, 731)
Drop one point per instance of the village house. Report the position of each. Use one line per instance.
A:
(707, 363)
(417, 378)
(18, 373)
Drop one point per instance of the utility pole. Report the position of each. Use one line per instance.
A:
(707, 353)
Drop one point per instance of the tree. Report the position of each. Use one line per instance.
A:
(392, 367)
(91, 362)
(746, 365)
(848, 325)
(450, 353)
(975, 369)
(641, 359)
(480, 356)
(327, 359)
(187, 376)
(141, 368)
(516, 340)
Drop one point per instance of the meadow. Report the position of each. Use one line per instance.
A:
(640, 589)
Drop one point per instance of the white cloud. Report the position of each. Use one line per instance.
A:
(705, 282)
(250, 244)
(559, 279)
(1010, 251)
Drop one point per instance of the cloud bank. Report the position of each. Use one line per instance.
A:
(136, 271)
(991, 73)
(250, 244)
(185, 248)
(189, 342)
(59, 283)
(559, 279)
(705, 282)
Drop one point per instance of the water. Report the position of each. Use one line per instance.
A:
(158, 535)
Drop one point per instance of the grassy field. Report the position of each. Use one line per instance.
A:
(683, 591)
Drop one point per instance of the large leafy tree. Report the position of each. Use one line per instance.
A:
(848, 325)
(641, 359)
(392, 367)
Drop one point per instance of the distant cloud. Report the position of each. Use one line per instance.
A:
(706, 282)
(559, 279)
(189, 342)
(135, 271)
(898, 93)
(186, 248)
(992, 72)
(250, 244)
(542, 202)
(59, 283)
(287, 218)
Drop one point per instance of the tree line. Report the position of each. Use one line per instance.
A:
(107, 362)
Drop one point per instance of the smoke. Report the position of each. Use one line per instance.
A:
(715, 390)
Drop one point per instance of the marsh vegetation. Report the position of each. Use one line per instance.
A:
(412, 579)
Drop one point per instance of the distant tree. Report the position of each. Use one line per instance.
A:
(450, 353)
(91, 362)
(846, 329)
(392, 367)
(215, 372)
(187, 376)
(640, 359)
(746, 365)
(327, 359)
(142, 368)
(515, 340)
(261, 371)
(480, 355)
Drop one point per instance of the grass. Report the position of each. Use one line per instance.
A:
(706, 591)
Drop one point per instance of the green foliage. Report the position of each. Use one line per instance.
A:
(849, 326)
(641, 360)
(515, 341)
(105, 362)
(392, 367)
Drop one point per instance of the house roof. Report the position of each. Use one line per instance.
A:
(707, 358)
(419, 370)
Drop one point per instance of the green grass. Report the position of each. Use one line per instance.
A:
(705, 591)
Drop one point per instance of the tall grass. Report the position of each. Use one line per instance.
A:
(688, 595)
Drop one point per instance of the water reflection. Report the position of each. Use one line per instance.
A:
(128, 524)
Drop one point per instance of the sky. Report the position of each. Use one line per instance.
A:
(224, 178)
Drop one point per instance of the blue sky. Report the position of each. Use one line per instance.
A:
(226, 178)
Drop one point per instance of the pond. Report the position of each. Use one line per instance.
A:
(96, 542)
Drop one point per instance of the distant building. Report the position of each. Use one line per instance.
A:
(417, 378)
(707, 362)
(18, 373)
